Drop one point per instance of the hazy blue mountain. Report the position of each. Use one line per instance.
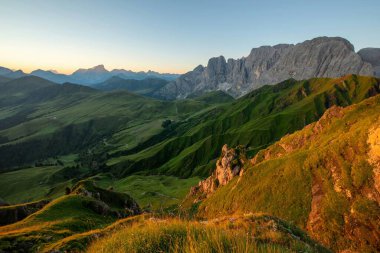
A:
(91, 76)
(51, 76)
(5, 72)
(4, 79)
(16, 74)
(128, 74)
(100, 74)
(143, 87)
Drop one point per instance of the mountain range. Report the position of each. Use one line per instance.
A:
(144, 87)
(91, 76)
(222, 159)
(319, 57)
(54, 136)
(82, 148)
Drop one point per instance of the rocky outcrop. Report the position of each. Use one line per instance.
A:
(332, 165)
(320, 57)
(12, 214)
(337, 165)
(229, 165)
(106, 202)
(372, 56)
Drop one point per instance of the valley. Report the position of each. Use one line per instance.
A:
(274, 152)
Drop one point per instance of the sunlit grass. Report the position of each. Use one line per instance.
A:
(249, 234)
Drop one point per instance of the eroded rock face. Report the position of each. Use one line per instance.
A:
(374, 156)
(229, 165)
(101, 200)
(372, 56)
(338, 162)
(301, 139)
(12, 214)
(319, 57)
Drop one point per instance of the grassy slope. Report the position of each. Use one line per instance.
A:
(52, 120)
(36, 183)
(121, 122)
(256, 120)
(77, 117)
(156, 191)
(319, 178)
(253, 233)
(26, 185)
(12, 213)
(31, 184)
(63, 217)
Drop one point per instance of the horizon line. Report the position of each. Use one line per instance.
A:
(28, 70)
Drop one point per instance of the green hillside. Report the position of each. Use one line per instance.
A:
(59, 134)
(115, 135)
(250, 233)
(255, 120)
(87, 207)
(63, 119)
(69, 143)
(324, 178)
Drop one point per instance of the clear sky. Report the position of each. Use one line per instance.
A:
(169, 36)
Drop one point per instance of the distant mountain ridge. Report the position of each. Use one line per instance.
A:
(319, 57)
(89, 76)
(143, 87)
(5, 72)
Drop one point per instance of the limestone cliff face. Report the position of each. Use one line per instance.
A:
(320, 57)
(372, 56)
(229, 165)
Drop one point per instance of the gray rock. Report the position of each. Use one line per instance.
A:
(372, 56)
(319, 57)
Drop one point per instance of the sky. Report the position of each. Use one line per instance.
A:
(169, 36)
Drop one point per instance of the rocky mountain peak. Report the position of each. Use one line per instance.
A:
(99, 68)
(216, 61)
(337, 40)
(199, 68)
(319, 57)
